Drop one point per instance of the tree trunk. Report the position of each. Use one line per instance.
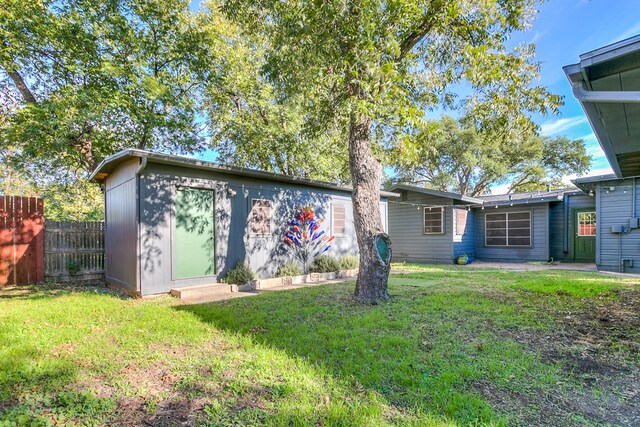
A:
(366, 172)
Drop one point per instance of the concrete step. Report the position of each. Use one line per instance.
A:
(197, 292)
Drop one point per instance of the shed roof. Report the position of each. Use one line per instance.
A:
(110, 164)
(606, 81)
(430, 192)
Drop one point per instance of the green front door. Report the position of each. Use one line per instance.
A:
(585, 235)
(194, 233)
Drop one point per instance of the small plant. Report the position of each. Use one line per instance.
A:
(348, 262)
(291, 268)
(324, 264)
(74, 268)
(241, 274)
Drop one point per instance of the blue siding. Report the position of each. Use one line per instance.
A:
(406, 230)
(234, 241)
(616, 208)
(539, 250)
(464, 240)
(561, 224)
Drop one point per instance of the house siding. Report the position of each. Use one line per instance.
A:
(121, 227)
(233, 240)
(464, 243)
(539, 249)
(406, 230)
(616, 208)
(561, 224)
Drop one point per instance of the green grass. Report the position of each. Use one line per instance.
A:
(440, 352)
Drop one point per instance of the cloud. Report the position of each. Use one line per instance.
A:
(551, 127)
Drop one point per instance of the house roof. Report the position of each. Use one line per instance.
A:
(587, 183)
(528, 197)
(430, 192)
(110, 164)
(606, 81)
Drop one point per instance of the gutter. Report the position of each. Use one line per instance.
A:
(583, 94)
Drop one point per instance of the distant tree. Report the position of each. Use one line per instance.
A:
(89, 78)
(453, 155)
(377, 65)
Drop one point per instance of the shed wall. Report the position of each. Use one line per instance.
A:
(539, 249)
(233, 239)
(121, 227)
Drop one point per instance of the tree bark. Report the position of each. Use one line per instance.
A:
(366, 172)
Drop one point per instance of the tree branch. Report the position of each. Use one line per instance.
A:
(26, 93)
(421, 32)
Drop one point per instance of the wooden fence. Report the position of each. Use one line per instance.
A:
(21, 254)
(73, 250)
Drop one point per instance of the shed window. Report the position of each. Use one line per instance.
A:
(586, 224)
(461, 221)
(338, 220)
(261, 216)
(508, 229)
(433, 223)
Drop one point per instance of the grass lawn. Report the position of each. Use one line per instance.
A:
(454, 346)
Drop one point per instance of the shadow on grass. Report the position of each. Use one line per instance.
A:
(44, 291)
(422, 354)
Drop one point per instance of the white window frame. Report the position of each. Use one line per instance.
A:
(456, 211)
(333, 222)
(594, 223)
(431, 210)
(507, 245)
(253, 233)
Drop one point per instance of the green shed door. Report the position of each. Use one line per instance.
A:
(194, 233)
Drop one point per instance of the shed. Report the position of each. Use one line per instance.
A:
(174, 221)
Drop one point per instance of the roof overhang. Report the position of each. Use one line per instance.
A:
(606, 81)
(111, 163)
(437, 193)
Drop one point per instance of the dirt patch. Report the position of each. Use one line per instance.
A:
(597, 347)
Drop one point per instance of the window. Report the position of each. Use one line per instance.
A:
(260, 216)
(433, 223)
(586, 224)
(338, 220)
(508, 229)
(461, 221)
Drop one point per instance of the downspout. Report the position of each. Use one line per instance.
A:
(581, 92)
(139, 169)
(565, 225)
(633, 199)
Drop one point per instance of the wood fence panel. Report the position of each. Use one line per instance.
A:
(21, 240)
(74, 250)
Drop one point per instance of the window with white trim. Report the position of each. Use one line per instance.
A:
(461, 221)
(433, 220)
(508, 229)
(586, 224)
(260, 216)
(338, 220)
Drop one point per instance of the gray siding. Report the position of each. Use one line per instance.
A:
(539, 250)
(406, 230)
(616, 208)
(561, 224)
(121, 227)
(233, 240)
(464, 240)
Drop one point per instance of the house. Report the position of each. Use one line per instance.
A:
(436, 226)
(174, 221)
(606, 82)
(597, 222)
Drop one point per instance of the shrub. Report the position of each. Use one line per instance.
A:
(348, 262)
(241, 274)
(291, 268)
(324, 264)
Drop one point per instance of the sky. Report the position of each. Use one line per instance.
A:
(562, 31)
